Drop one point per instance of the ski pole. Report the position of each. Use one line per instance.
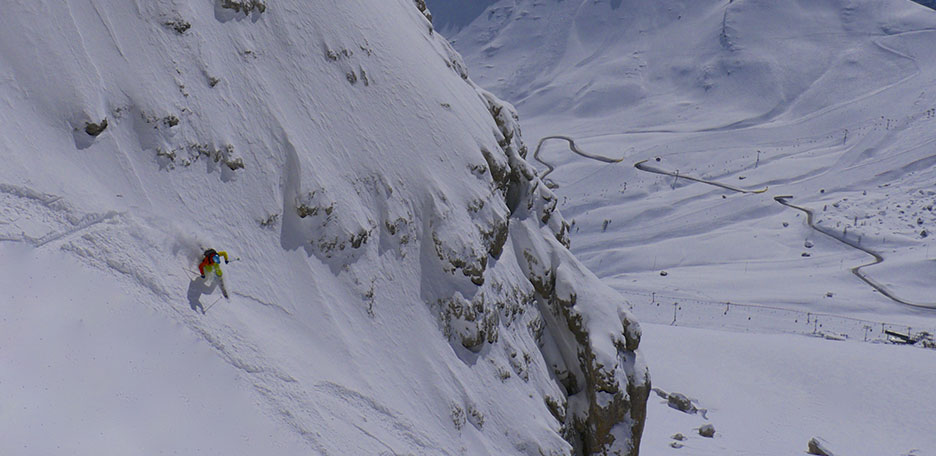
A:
(212, 305)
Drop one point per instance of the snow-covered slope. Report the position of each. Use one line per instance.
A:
(769, 394)
(830, 102)
(400, 284)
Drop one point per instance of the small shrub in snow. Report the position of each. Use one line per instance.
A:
(458, 416)
(270, 221)
(179, 25)
(475, 417)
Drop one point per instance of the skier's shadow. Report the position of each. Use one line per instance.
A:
(199, 287)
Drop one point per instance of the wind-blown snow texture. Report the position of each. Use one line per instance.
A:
(828, 101)
(401, 282)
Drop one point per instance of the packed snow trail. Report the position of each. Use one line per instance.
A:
(878, 259)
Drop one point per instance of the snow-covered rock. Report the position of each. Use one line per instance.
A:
(707, 430)
(817, 447)
(680, 402)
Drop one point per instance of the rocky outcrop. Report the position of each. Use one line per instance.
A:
(421, 5)
(245, 6)
(590, 339)
(95, 129)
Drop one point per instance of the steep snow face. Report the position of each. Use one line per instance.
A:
(400, 280)
(829, 101)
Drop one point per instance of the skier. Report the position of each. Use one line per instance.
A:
(212, 261)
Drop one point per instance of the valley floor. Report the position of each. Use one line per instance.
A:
(769, 394)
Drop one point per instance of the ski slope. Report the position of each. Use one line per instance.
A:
(401, 282)
(828, 104)
(86, 371)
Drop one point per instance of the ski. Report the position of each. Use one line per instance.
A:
(223, 288)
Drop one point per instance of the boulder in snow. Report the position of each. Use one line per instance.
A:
(680, 402)
(817, 447)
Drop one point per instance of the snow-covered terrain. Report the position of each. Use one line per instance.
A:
(769, 394)
(400, 281)
(829, 104)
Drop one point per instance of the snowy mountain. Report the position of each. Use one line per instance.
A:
(830, 104)
(400, 281)
(743, 166)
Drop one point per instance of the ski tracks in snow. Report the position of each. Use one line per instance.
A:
(38, 218)
(331, 418)
(396, 433)
(327, 415)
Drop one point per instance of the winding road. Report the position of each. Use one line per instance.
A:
(641, 165)
(573, 148)
(878, 259)
(650, 169)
